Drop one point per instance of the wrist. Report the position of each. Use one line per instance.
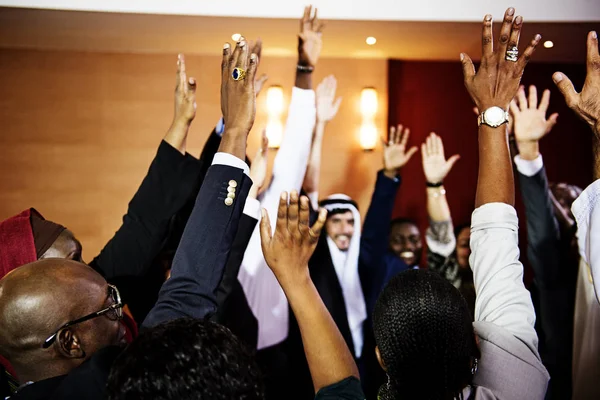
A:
(295, 281)
(529, 150)
(181, 123)
(391, 173)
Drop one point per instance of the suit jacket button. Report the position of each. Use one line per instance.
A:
(233, 183)
(231, 196)
(228, 201)
(230, 189)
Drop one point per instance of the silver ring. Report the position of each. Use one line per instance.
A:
(512, 54)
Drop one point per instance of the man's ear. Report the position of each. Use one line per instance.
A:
(379, 359)
(69, 344)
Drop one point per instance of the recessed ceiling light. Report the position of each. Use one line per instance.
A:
(371, 40)
(236, 36)
(548, 44)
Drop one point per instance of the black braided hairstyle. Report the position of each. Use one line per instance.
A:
(425, 336)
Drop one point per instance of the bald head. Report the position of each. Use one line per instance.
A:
(37, 299)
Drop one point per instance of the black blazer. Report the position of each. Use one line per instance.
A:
(192, 290)
(554, 283)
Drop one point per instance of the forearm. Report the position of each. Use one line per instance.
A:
(329, 359)
(303, 80)
(495, 182)
(313, 170)
(437, 204)
(596, 144)
(176, 136)
(234, 143)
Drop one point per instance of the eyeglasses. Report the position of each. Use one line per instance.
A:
(114, 311)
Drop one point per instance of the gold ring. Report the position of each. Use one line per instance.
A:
(238, 74)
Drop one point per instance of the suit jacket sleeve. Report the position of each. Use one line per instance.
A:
(204, 249)
(375, 233)
(163, 192)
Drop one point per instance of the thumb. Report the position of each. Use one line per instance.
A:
(467, 66)
(551, 122)
(265, 231)
(191, 85)
(410, 153)
(452, 160)
(566, 88)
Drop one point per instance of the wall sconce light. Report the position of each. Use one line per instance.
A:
(274, 133)
(368, 102)
(368, 136)
(275, 109)
(368, 109)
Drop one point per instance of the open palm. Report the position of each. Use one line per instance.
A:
(395, 155)
(530, 123)
(435, 165)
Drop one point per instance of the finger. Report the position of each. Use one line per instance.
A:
(315, 230)
(314, 20)
(593, 59)
(405, 137)
(551, 122)
(282, 214)
(524, 59)
(292, 224)
(336, 106)
(533, 97)
(226, 62)
(476, 111)
(522, 98)
(440, 145)
(191, 85)
(452, 160)
(411, 153)
(181, 77)
(515, 35)
(264, 143)
(252, 68)
(234, 61)
(487, 37)
(257, 48)
(398, 134)
(319, 27)
(505, 32)
(304, 217)
(467, 67)
(434, 144)
(424, 153)
(566, 88)
(305, 18)
(514, 108)
(265, 230)
(429, 145)
(242, 60)
(545, 102)
(391, 136)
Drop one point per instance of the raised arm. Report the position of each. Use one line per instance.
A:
(287, 252)
(169, 183)
(586, 104)
(201, 256)
(440, 234)
(327, 108)
(501, 296)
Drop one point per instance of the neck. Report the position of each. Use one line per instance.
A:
(39, 371)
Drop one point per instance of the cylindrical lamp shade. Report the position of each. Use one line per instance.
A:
(368, 102)
(368, 136)
(275, 100)
(274, 133)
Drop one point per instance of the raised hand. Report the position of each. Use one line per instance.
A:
(587, 103)
(497, 81)
(238, 98)
(309, 38)
(185, 94)
(288, 250)
(327, 104)
(395, 155)
(435, 165)
(259, 81)
(258, 169)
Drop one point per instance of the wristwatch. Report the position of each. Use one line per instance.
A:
(493, 116)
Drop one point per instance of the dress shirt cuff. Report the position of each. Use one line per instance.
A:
(252, 208)
(231, 160)
(220, 128)
(527, 167)
(494, 215)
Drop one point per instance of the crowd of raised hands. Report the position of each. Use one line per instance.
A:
(463, 328)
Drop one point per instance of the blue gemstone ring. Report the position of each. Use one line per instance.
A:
(238, 74)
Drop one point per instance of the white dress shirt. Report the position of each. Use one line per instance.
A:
(586, 335)
(264, 295)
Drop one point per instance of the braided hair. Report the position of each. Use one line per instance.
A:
(425, 337)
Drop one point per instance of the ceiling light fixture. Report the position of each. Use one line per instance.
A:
(371, 40)
(548, 44)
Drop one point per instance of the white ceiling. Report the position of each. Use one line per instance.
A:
(376, 10)
(150, 33)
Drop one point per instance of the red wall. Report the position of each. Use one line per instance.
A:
(430, 96)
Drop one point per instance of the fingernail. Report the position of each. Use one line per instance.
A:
(558, 77)
(284, 196)
(253, 57)
(538, 37)
(594, 35)
(263, 212)
(488, 17)
(518, 20)
(225, 46)
(242, 44)
(511, 11)
(462, 57)
(192, 81)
